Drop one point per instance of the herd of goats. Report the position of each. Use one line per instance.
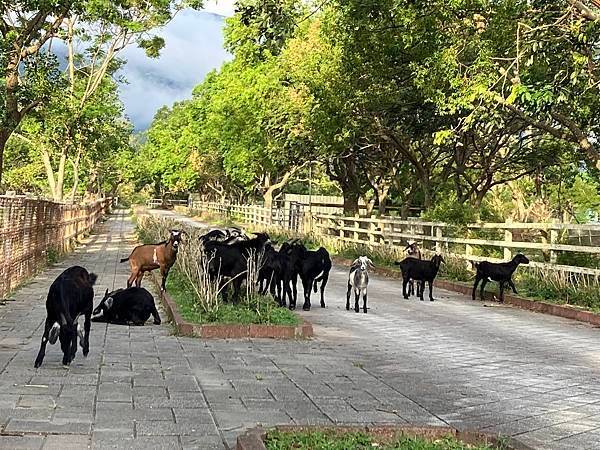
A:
(231, 250)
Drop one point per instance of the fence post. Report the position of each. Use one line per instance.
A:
(381, 227)
(356, 227)
(438, 234)
(508, 237)
(553, 241)
(468, 253)
(372, 230)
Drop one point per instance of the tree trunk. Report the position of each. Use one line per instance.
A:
(60, 177)
(4, 135)
(49, 172)
(383, 197)
(350, 201)
(75, 177)
(269, 193)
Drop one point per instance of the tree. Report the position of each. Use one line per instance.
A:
(28, 68)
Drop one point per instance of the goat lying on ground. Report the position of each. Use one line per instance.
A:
(313, 267)
(145, 258)
(414, 252)
(358, 280)
(421, 271)
(70, 295)
(500, 272)
(131, 306)
(230, 260)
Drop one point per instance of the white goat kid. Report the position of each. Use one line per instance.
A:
(358, 280)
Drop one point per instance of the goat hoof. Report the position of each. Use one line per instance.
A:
(356, 310)
(432, 299)
(364, 311)
(306, 308)
(406, 297)
(157, 322)
(322, 305)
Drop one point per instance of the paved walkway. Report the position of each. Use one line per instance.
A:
(452, 362)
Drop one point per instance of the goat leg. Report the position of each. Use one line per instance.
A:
(356, 297)
(131, 279)
(421, 289)
(139, 278)
(165, 274)
(348, 297)
(477, 280)
(512, 286)
(430, 290)
(365, 302)
(295, 289)
(155, 315)
(404, 285)
(86, 333)
(502, 292)
(482, 291)
(324, 279)
(306, 285)
(40, 357)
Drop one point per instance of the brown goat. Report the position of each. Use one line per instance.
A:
(145, 258)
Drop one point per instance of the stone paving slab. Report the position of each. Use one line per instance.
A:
(452, 363)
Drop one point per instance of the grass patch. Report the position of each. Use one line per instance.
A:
(259, 310)
(332, 440)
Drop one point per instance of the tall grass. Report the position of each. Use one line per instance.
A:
(199, 295)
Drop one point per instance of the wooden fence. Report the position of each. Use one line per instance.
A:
(250, 214)
(542, 242)
(474, 242)
(30, 229)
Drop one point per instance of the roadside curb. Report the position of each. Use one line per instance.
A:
(509, 299)
(231, 331)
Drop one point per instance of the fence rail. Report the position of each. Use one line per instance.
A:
(30, 228)
(544, 242)
(155, 202)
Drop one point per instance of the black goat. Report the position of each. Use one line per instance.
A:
(229, 261)
(145, 258)
(133, 305)
(275, 275)
(421, 271)
(70, 295)
(500, 272)
(313, 267)
(228, 235)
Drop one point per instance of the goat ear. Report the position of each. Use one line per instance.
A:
(106, 293)
(109, 302)
(370, 263)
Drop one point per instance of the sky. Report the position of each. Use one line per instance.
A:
(193, 47)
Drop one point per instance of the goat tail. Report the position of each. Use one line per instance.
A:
(92, 277)
(397, 263)
(124, 259)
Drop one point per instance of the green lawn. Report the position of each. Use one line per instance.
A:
(332, 440)
(260, 310)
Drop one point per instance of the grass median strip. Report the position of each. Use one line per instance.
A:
(333, 440)
(258, 310)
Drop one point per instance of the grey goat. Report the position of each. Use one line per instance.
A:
(358, 280)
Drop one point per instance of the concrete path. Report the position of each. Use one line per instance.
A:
(451, 362)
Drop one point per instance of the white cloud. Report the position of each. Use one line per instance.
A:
(193, 47)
